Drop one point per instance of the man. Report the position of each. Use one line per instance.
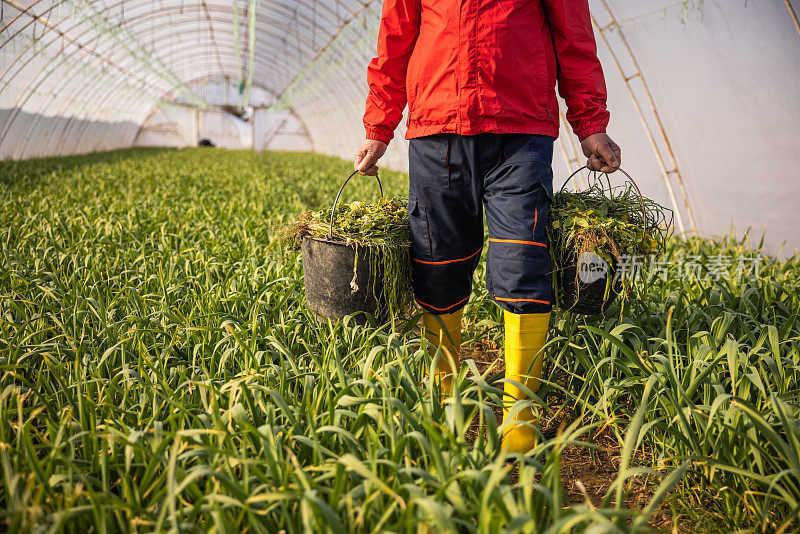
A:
(479, 78)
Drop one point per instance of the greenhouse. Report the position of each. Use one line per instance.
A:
(183, 347)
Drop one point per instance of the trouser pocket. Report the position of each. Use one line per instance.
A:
(420, 231)
(429, 160)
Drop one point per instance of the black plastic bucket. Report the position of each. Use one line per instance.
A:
(339, 277)
(580, 283)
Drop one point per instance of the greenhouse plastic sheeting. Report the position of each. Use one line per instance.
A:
(703, 94)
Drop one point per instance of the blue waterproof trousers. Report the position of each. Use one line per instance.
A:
(453, 179)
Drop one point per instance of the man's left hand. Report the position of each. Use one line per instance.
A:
(603, 153)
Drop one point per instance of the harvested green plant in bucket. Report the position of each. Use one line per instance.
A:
(380, 227)
(611, 222)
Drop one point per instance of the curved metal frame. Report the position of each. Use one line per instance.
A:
(666, 168)
(306, 35)
(166, 28)
(792, 15)
(125, 84)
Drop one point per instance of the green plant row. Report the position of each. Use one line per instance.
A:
(159, 371)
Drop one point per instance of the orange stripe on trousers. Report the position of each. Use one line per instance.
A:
(522, 300)
(448, 261)
(495, 240)
(441, 309)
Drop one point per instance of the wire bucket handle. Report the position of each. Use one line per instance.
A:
(633, 183)
(339, 194)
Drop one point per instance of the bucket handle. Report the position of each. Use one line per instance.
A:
(335, 202)
(633, 183)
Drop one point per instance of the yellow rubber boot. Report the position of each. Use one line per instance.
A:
(445, 331)
(525, 336)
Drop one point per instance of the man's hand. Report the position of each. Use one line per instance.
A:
(368, 155)
(603, 153)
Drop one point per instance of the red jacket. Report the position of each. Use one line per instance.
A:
(478, 66)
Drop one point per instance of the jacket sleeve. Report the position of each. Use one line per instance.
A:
(386, 73)
(580, 76)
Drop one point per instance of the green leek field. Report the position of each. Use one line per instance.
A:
(159, 371)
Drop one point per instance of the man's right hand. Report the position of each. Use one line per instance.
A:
(603, 153)
(368, 155)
